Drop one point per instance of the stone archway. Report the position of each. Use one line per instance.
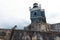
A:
(26, 37)
(39, 36)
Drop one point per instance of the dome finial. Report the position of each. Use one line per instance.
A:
(35, 5)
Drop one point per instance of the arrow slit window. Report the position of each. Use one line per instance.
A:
(35, 13)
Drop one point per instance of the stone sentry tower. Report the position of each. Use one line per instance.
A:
(37, 14)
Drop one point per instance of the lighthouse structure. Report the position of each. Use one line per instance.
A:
(37, 14)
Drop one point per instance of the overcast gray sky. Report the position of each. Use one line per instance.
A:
(17, 12)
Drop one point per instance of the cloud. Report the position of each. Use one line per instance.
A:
(10, 24)
(1, 27)
(17, 11)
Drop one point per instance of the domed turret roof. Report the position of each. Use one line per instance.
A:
(35, 5)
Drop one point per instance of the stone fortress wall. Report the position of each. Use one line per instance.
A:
(39, 29)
